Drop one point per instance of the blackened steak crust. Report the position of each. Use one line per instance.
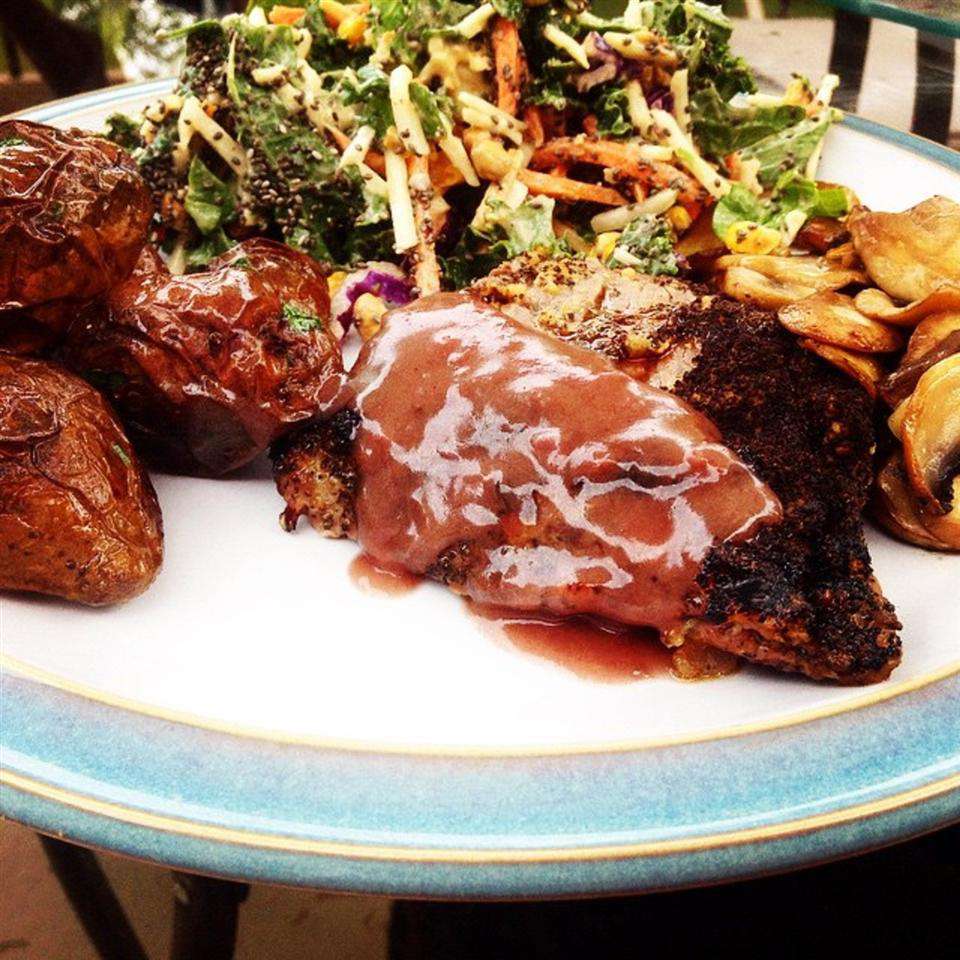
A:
(808, 432)
(800, 595)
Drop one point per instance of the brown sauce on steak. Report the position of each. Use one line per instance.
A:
(529, 473)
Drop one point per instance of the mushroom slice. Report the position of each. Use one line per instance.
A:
(909, 254)
(845, 256)
(895, 420)
(935, 338)
(866, 370)
(896, 509)
(931, 436)
(752, 287)
(946, 528)
(876, 304)
(832, 318)
(813, 272)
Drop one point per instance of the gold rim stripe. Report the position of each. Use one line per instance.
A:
(653, 848)
(878, 695)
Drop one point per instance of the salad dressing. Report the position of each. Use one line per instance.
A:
(542, 477)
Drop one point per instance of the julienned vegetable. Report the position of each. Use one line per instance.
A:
(444, 137)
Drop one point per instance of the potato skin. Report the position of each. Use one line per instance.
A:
(79, 518)
(74, 216)
(206, 370)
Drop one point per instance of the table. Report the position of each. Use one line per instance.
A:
(938, 25)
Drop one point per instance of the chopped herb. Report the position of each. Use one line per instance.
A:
(299, 318)
(122, 454)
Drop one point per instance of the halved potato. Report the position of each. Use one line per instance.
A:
(876, 304)
(909, 254)
(935, 338)
(832, 318)
(931, 436)
(752, 287)
(814, 272)
(866, 370)
(896, 509)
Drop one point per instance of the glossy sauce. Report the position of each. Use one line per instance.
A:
(601, 651)
(373, 577)
(556, 483)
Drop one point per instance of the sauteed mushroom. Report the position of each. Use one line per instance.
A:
(832, 318)
(930, 430)
(910, 254)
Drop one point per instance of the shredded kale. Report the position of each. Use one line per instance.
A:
(209, 201)
(511, 9)
(721, 129)
(613, 117)
(647, 245)
(499, 233)
(123, 131)
(370, 92)
(788, 149)
(792, 192)
(210, 246)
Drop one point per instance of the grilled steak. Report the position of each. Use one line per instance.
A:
(793, 591)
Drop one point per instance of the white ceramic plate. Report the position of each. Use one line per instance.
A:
(265, 637)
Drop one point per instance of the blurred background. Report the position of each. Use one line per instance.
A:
(892, 72)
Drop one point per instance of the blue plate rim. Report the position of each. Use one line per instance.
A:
(429, 851)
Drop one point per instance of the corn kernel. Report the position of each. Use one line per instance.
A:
(637, 345)
(747, 237)
(352, 29)
(679, 219)
(604, 244)
(335, 13)
(335, 282)
(368, 311)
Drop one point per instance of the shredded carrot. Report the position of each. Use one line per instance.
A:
(559, 170)
(534, 121)
(336, 13)
(285, 16)
(443, 174)
(508, 63)
(625, 159)
(562, 188)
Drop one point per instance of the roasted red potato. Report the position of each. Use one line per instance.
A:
(78, 515)
(73, 218)
(208, 369)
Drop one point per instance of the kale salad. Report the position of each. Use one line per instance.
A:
(415, 144)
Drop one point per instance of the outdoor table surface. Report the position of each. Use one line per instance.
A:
(934, 16)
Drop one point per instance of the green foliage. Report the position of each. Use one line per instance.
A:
(209, 201)
(649, 242)
(789, 149)
(370, 93)
(721, 129)
(613, 116)
(300, 318)
(791, 192)
(502, 233)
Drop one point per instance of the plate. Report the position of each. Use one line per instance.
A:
(257, 714)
